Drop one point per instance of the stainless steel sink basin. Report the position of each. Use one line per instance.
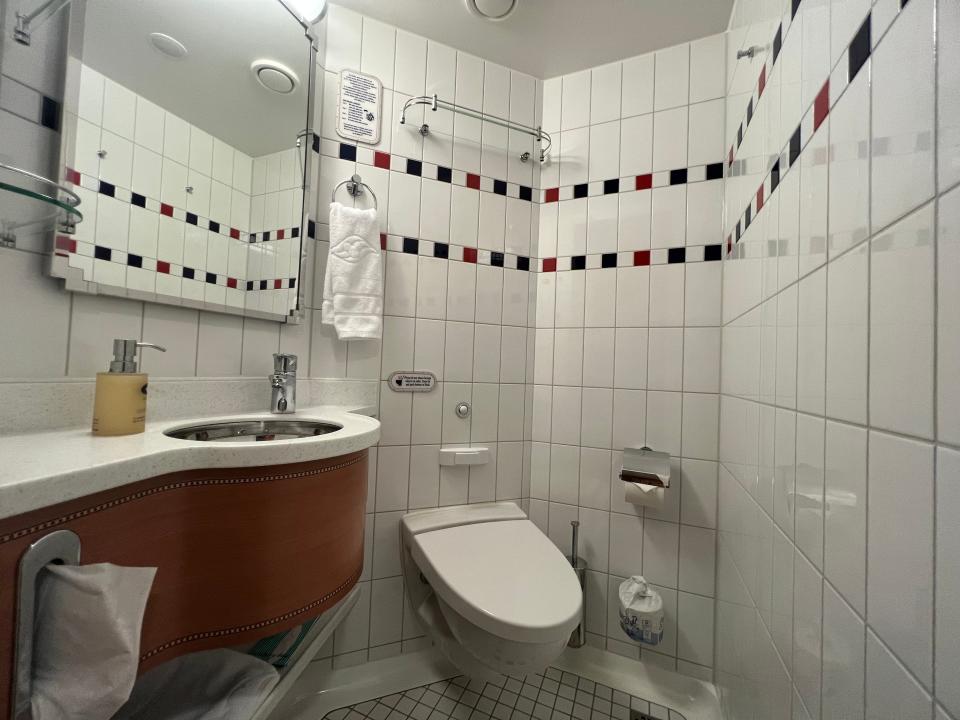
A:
(253, 430)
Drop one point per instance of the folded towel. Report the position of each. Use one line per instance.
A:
(353, 286)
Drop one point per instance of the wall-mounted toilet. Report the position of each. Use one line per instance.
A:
(490, 589)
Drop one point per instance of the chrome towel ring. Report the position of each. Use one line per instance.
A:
(355, 187)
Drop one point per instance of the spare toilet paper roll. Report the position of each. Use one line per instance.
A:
(87, 639)
(645, 495)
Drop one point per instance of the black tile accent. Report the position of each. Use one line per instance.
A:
(263, 284)
(500, 187)
(50, 113)
(795, 6)
(138, 200)
(191, 218)
(712, 252)
(526, 193)
(715, 171)
(102, 253)
(252, 238)
(740, 135)
(266, 236)
(774, 177)
(739, 231)
(411, 245)
(747, 218)
(523, 263)
(188, 273)
(441, 250)
(795, 146)
(496, 259)
(414, 167)
(903, 3)
(293, 283)
(444, 174)
(211, 278)
(750, 111)
(348, 152)
(678, 177)
(295, 232)
(611, 186)
(316, 143)
(676, 255)
(578, 262)
(859, 48)
(107, 189)
(580, 191)
(214, 226)
(249, 285)
(134, 260)
(311, 229)
(608, 260)
(777, 43)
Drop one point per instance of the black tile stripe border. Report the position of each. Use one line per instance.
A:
(846, 69)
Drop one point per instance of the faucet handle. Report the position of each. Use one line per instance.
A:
(284, 363)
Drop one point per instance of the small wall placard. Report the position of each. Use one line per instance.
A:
(412, 381)
(358, 107)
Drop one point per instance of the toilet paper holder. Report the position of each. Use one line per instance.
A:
(645, 466)
(60, 547)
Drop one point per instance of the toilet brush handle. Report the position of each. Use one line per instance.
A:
(575, 542)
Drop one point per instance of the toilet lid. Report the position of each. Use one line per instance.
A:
(506, 577)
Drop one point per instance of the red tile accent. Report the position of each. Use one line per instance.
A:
(73, 176)
(277, 284)
(473, 181)
(163, 267)
(470, 255)
(166, 209)
(641, 257)
(729, 244)
(234, 233)
(760, 199)
(821, 106)
(552, 195)
(763, 81)
(644, 182)
(383, 241)
(549, 264)
(66, 243)
(381, 160)
(280, 234)
(231, 282)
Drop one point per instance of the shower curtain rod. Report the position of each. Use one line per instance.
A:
(436, 103)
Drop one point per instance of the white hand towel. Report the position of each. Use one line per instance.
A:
(353, 285)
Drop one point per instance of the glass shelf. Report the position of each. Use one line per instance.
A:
(34, 203)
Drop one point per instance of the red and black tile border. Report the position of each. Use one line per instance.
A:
(634, 183)
(848, 66)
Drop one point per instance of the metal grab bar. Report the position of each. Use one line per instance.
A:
(436, 103)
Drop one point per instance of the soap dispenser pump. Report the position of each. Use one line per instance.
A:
(120, 400)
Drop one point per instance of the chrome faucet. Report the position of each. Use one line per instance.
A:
(283, 384)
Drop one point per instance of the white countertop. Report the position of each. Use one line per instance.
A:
(44, 468)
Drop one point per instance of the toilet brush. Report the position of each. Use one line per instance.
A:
(578, 637)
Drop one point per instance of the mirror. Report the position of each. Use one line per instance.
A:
(183, 136)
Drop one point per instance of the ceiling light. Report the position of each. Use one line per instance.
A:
(274, 76)
(171, 47)
(492, 9)
(310, 11)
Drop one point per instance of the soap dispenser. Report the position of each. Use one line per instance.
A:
(120, 400)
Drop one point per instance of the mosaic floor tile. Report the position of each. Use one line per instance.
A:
(555, 695)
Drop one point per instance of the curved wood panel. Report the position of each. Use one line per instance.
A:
(241, 553)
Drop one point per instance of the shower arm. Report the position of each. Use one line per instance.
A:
(436, 103)
(22, 31)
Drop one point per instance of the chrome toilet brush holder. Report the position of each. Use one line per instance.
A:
(578, 638)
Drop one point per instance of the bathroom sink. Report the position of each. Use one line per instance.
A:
(252, 430)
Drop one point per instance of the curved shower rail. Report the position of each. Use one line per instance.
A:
(436, 103)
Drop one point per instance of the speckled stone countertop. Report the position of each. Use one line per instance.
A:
(44, 468)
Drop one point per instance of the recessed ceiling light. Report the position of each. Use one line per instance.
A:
(492, 9)
(274, 76)
(310, 11)
(171, 47)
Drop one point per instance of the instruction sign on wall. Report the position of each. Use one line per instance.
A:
(358, 107)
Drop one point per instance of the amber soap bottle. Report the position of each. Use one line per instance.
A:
(120, 398)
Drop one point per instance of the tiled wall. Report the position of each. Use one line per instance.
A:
(837, 581)
(627, 343)
(456, 219)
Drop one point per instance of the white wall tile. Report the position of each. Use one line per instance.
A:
(948, 577)
(672, 79)
(891, 691)
(637, 85)
(575, 106)
(948, 319)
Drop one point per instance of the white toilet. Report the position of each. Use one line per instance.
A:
(491, 590)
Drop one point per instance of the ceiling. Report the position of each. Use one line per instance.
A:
(213, 87)
(546, 38)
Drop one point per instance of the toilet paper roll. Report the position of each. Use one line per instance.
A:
(645, 495)
(87, 639)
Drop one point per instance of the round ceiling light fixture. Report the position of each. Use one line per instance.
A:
(275, 77)
(492, 9)
(169, 46)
